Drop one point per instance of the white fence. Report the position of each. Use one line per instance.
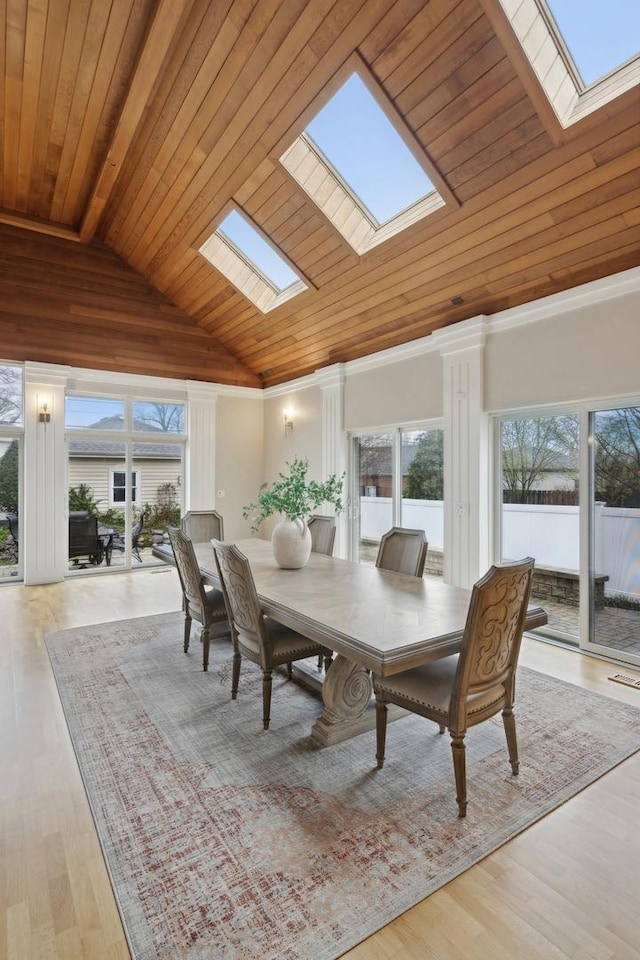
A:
(550, 534)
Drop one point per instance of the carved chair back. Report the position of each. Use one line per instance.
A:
(201, 526)
(492, 638)
(403, 550)
(190, 577)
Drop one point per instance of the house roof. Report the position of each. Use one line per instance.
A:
(130, 129)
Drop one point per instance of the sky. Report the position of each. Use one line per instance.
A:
(600, 35)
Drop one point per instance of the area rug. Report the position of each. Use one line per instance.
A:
(227, 842)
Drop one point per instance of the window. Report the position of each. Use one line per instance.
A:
(11, 396)
(599, 37)
(539, 511)
(398, 480)
(251, 263)
(119, 487)
(359, 169)
(125, 467)
(583, 54)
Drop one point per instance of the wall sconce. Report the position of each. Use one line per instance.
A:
(44, 413)
(288, 423)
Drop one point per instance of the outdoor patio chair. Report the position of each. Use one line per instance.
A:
(259, 638)
(14, 526)
(403, 550)
(202, 526)
(461, 691)
(118, 541)
(205, 605)
(84, 541)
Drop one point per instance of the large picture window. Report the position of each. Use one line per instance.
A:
(125, 474)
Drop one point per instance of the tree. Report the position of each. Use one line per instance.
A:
(617, 457)
(425, 479)
(10, 394)
(168, 417)
(9, 479)
(533, 446)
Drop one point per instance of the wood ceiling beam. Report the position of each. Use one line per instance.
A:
(150, 63)
(50, 229)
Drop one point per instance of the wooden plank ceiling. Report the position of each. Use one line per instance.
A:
(128, 126)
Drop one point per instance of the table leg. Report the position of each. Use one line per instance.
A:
(346, 692)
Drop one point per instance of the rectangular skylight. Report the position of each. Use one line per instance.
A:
(261, 255)
(253, 265)
(600, 36)
(363, 146)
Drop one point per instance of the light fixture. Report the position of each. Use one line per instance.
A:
(288, 423)
(44, 414)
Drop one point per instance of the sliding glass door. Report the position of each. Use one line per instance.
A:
(614, 555)
(539, 511)
(397, 481)
(125, 476)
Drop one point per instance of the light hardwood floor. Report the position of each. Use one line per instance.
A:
(565, 888)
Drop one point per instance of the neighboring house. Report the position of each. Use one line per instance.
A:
(100, 464)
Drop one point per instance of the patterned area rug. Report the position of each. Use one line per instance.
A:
(226, 841)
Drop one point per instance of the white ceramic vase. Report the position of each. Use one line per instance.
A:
(291, 541)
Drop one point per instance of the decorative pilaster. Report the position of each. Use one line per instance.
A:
(334, 453)
(200, 481)
(43, 538)
(466, 453)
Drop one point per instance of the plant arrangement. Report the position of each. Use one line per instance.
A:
(294, 495)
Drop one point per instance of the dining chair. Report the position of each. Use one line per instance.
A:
(255, 636)
(204, 605)
(403, 550)
(462, 690)
(202, 526)
(323, 533)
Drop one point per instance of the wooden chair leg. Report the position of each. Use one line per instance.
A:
(235, 676)
(459, 768)
(320, 658)
(512, 742)
(266, 698)
(205, 637)
(381, 731)
(328, 660)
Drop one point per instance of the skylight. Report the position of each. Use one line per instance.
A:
(363, 146)
(358, 169)
(240, 252)
(600, 36)
(257, 251)
(584, 53)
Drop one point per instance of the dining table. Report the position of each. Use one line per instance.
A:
(375, 621)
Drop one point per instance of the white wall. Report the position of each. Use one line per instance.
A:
(239, 457)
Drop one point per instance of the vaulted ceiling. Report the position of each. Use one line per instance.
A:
(128, 127)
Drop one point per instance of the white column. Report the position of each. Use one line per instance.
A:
(43, 537)
(334, 454)
(466, 453)
(200, 492)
